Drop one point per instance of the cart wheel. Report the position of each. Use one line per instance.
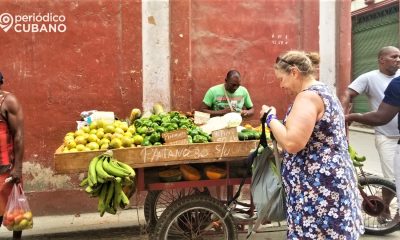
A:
(195, 217)
(157, 201)
(379, 216)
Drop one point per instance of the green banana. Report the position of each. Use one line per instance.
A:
(90, 183)
(352, 152)
(115, 164)
(113, 170)
(84, 182)
(101, 206)
(360, 158)
(92, 170)
(127, 181)
(127, 167)
(356, 159)
(124, 200)
(89, 189)
(96, 190)
(357, 164)
(117, 194)
(110, 194)
(118, 179)
(100, 172)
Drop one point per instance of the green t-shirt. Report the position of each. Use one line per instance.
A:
(216, 99)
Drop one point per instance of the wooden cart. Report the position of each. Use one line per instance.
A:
(175, 209)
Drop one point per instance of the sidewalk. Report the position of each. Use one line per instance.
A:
(48, 225)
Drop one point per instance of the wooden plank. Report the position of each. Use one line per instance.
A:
(225, 135)
(158, 155)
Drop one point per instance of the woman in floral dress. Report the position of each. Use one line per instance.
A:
(320, 182)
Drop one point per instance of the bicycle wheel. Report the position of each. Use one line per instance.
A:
(378, 214)
(157, 201)
(195, 217)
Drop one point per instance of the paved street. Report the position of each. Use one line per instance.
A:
(127, 225)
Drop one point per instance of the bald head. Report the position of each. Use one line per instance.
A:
(387, 50)
(389, 60)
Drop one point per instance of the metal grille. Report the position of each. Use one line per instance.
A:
(371, 31)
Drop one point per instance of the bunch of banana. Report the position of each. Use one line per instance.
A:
(357, 160)
(106, 179)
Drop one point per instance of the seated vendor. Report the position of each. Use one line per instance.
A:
(228, 97)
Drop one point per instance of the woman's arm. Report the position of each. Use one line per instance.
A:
(307, 109)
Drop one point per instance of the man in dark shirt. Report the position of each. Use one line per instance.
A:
(387, 110)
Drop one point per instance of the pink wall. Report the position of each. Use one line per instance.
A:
(242, 35)
(96, 64)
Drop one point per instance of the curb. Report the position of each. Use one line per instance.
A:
(362, 130)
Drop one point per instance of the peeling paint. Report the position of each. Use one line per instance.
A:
(39, 178)
(151, 20)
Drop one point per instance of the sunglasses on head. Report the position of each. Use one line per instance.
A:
(279, 59)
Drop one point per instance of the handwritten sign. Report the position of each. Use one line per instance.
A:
(197, 151)
(175, 137)
(225, 135)
(156, 155)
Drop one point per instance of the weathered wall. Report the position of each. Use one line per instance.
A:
(97, 63)
(94, 64)
(216, 36)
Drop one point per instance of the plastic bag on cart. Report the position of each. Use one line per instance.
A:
(17, 215)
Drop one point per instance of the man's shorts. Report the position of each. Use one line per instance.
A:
(5, 191)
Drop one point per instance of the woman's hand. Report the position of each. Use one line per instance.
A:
(265, 109)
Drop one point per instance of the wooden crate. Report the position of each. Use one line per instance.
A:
(153, 156)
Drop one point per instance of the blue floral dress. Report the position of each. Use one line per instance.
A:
(320, 181)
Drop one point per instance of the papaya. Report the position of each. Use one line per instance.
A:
(213, 172)
(158, 108)
(171, 175)
(135, 114)
(189, 173)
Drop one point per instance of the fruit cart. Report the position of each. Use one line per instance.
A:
(183, 208)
